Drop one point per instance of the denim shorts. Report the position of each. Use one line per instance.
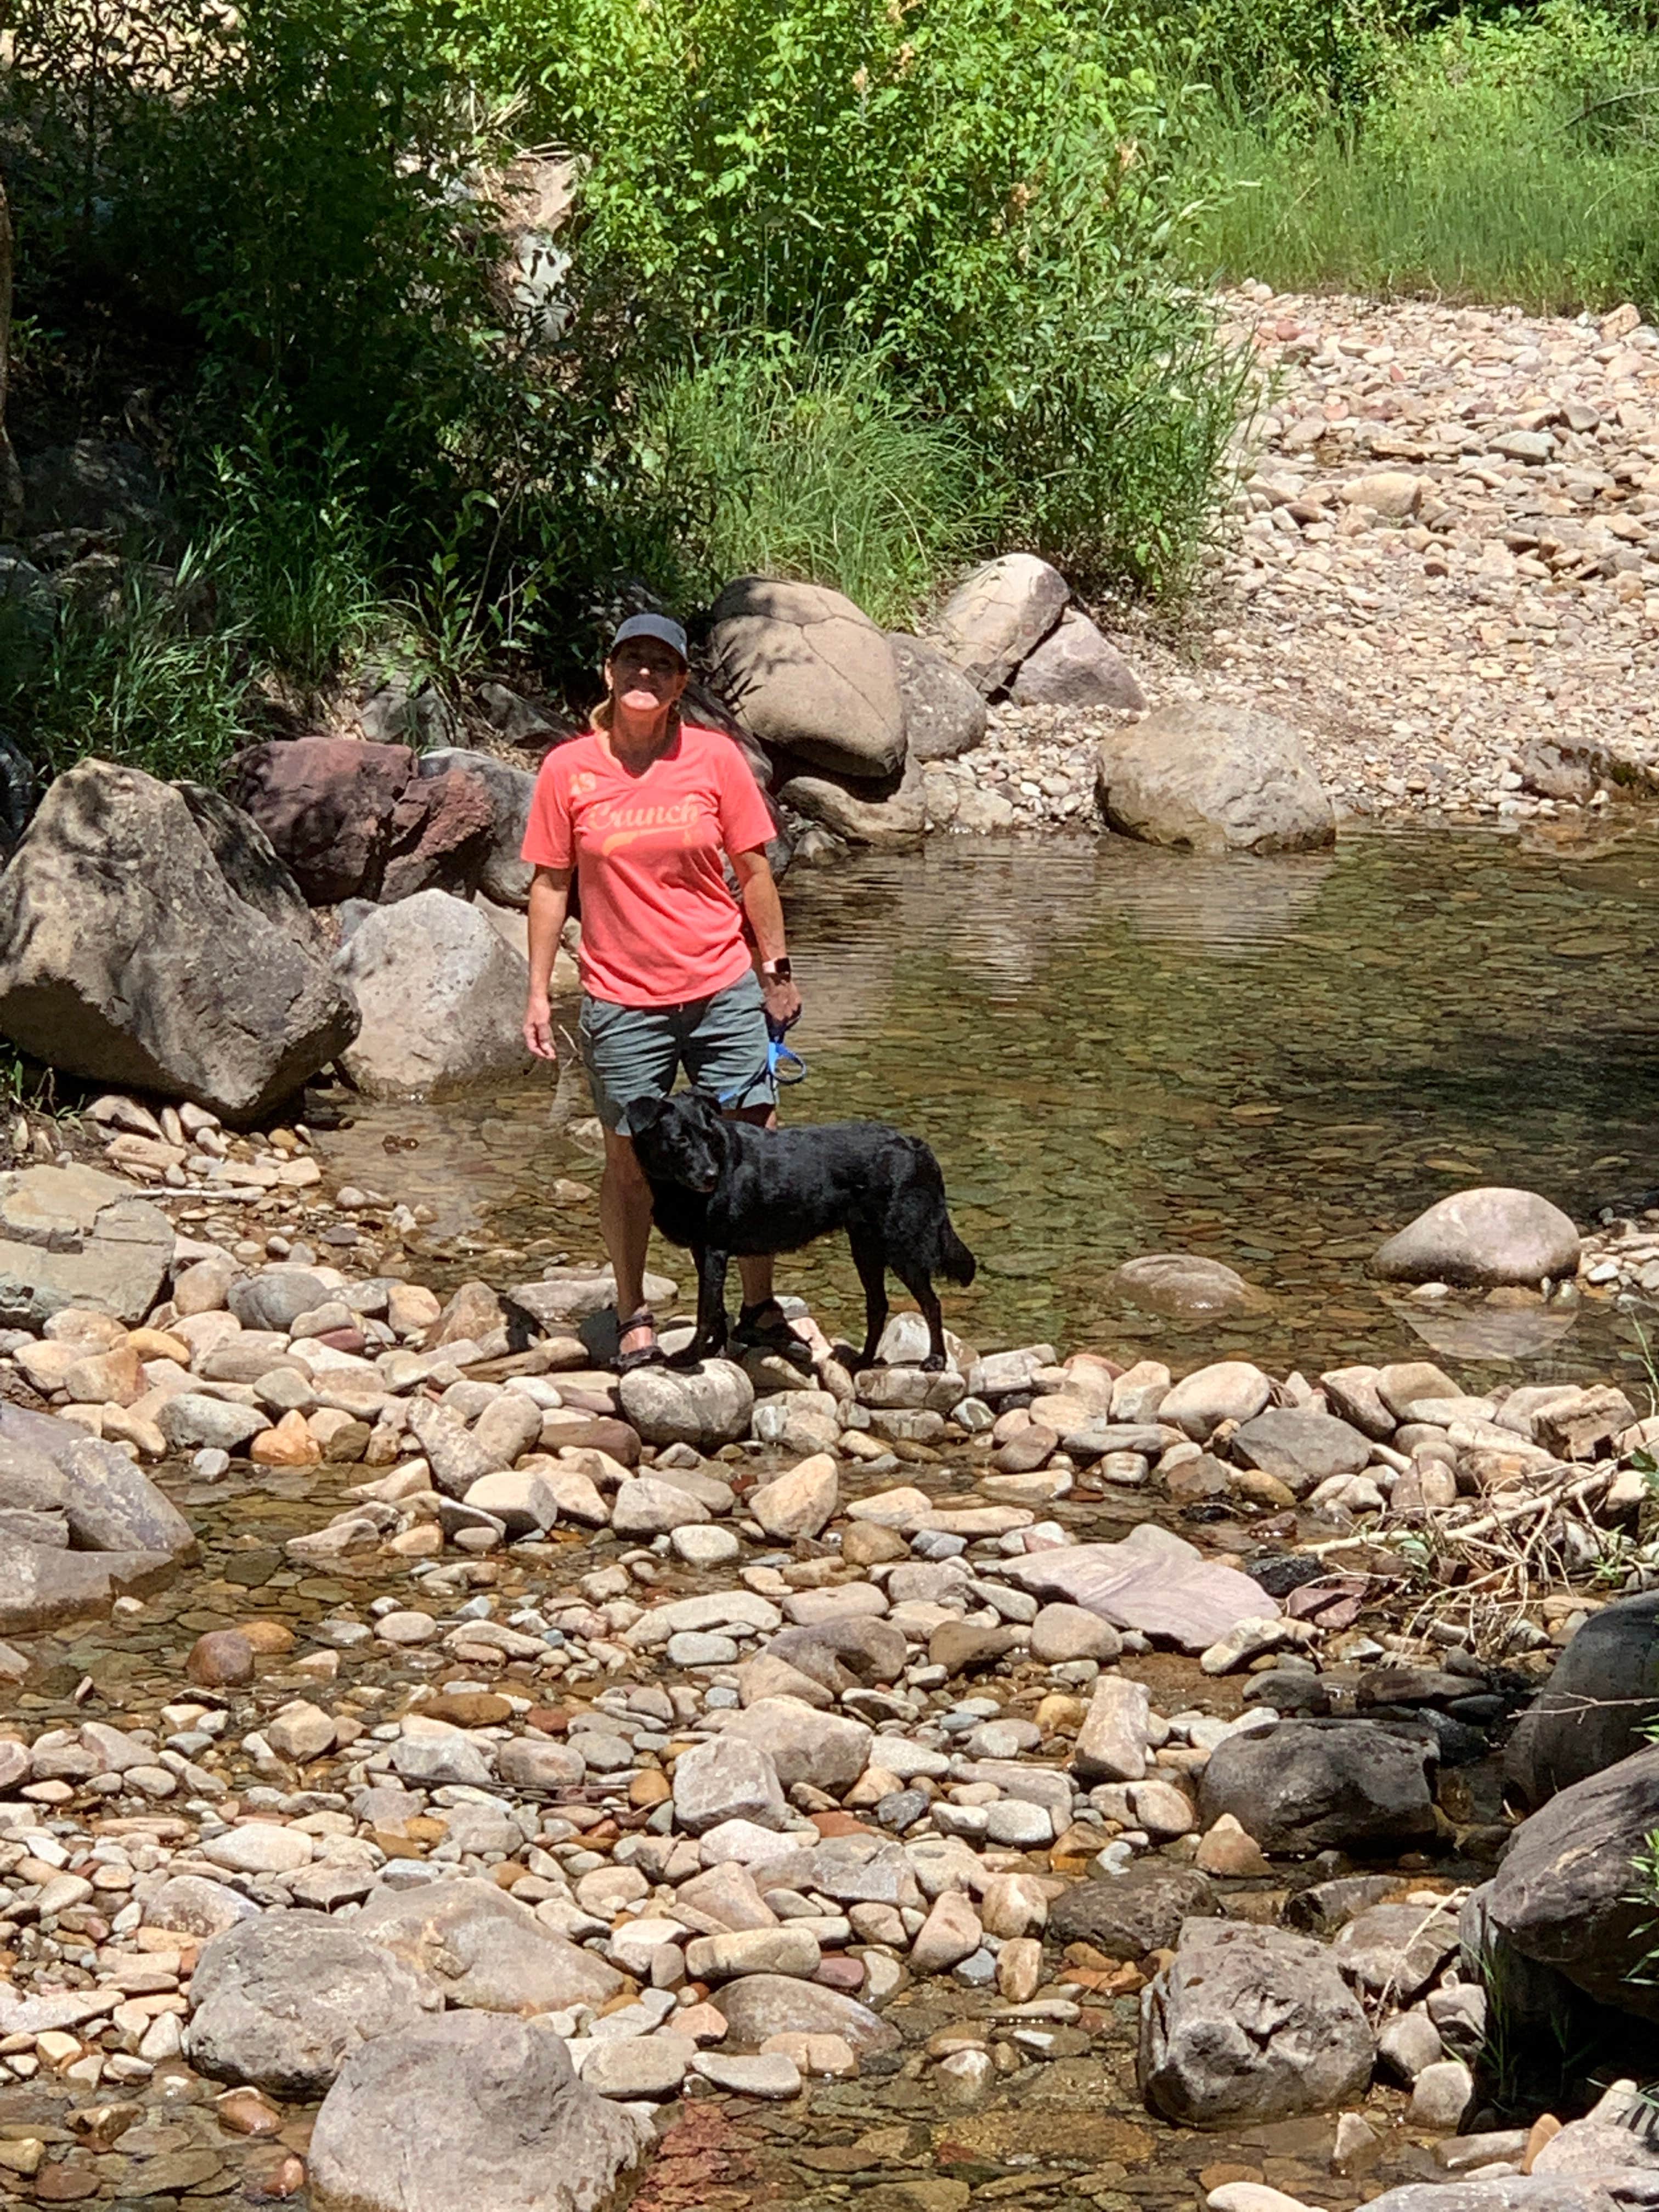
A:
(633, 1053)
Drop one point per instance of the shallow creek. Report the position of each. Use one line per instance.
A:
(1116, 1050)
(1113, 1051)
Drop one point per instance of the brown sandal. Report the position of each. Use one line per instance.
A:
(648, 1355)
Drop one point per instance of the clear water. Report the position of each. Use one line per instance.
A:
(1117, 1050)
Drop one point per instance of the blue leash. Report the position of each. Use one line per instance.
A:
(783, 1065)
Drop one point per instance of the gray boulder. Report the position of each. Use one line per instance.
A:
(275, 1297)
(280, 2001)
(1318, 1785)
(810, 673)
(991, 622)
(1566, 1895)
(1075, 666)
(1300, 1448)
(1249, 2025)
(471, 2110)
(505, 878)
(945, 714)
(77, 1236)
(130, 959)
(484, 1949)
(94, 484)
(1213, 778)
(1479, 1237)
(707, 1407)
(1183, 1286)
(1598, 1706)
(442, 998)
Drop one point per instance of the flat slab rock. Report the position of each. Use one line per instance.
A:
(77, 1236)
(1159, 1588)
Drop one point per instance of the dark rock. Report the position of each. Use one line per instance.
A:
(442, 833)
(505, 877)
(1566, 1895)
(94, 484)
(1597, 1707)
(1249, 2025)
(128, 959)
(1127, 1915)
(248, 862)
(1315, 1785)
(326, 805)
(1325, 1906)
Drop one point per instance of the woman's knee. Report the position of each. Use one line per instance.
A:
(622, 1162)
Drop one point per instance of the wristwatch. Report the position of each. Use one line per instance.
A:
(777, 971)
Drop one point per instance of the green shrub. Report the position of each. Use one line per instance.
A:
(813, 467)
(973, 190)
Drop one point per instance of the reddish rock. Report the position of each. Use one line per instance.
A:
(839, 1824)
(221, 1660)
(326, 805)
(343, 1339)
(836, 1972)
(550, 1720)
(443, 828)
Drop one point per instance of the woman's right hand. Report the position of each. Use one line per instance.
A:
(538, 1028)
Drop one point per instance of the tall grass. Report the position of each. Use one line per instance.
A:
(814, 467)
(1515, 162)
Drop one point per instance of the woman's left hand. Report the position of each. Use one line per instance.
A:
(782, 999)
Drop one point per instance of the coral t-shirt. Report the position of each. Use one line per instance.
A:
(660, 924)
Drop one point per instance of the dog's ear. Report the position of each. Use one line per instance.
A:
(644, 1114)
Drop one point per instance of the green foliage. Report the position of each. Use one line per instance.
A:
(1512, 160)
(812, 467)
(974, 190)
(127, 676)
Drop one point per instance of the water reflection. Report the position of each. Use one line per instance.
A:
(1118, 1050)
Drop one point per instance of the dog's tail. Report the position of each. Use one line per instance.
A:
(953, 1259)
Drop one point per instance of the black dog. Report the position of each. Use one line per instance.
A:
(727, 1190)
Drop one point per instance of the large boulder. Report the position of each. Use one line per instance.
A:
(504, 878)
(1213, 778)
(944, 714)
(470, 2110)
(1534, 2192)
(1075, 666)
(1480, 1237)
(129, 958)
(992, 621)
(1598, 1706)
(443, 831)
(885, 825)
(810, 673)
(484, 1949)
(280, 2001)
(1249, 2025)
(1567, 1896)
(76, 1237)
(1319, 1785)
(442, 998)
(248, 861)
(326, 804)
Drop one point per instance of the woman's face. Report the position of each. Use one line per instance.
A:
(645, 676)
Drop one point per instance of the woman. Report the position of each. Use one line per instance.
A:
(643, 807)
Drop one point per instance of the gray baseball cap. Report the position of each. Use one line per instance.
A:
(663, 628)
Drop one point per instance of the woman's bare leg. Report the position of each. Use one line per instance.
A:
(625, 1225)
(756, 1268)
